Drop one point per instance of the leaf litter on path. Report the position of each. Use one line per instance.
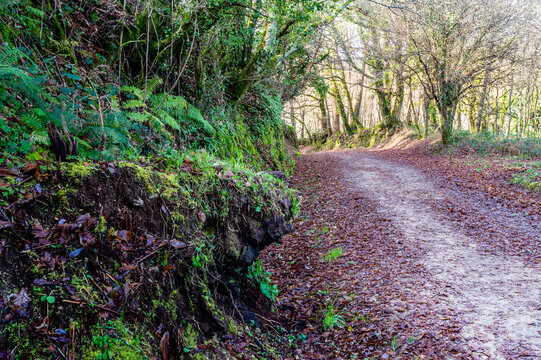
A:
(410, 282)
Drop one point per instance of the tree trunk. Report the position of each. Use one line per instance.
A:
(509, 108)
(336, 122)
(482, 100)
(341, 110)
(324, 120)
(358, 105)
(427, 114)
(292, 115)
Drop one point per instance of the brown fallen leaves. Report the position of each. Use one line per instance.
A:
(375, 284)
(481, 198)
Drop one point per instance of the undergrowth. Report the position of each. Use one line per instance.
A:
(74, 88)
(367, 137)
(489, 143)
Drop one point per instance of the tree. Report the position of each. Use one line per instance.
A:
(457, 43)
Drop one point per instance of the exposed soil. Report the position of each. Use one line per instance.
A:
(168, 270)
(429, 269)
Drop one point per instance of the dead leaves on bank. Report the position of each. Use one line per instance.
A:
(51, 268)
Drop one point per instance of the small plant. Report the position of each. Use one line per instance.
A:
(115, 341)
(332, 318)
(333, 254)
(260, 277)
(528, 180)
(199, 259)
(50, 299)
(393, 344)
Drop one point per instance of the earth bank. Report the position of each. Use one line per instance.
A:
(123, 260)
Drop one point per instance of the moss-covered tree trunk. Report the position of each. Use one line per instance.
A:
(336, 118)
(339, 105)
(323, 109)
(447, 102)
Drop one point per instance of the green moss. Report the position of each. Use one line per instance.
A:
(177, 217)
(101, 226)
(156, 182)
(170, 304)
(189, 336)
(62, 196)
(79, 170)
(36, 155)
(117, 340)
(232, 326)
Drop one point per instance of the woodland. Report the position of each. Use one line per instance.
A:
(270, 179)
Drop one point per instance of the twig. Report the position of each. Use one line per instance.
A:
(148, 255)
(264, 318)
(97, 306)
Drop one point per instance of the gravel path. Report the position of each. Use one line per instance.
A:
(497, 296)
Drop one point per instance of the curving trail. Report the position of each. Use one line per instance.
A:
(497, 296)
(413, 282)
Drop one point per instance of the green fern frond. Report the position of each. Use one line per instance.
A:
(178, 108)
(157, 125)
(114, 134)
(168, 102)
(10, 71)
(115, 105)
(64, 46)
(10, 55)
(135, 103)
(193, 114)
(16, 79)
(35, 11)
(168, 119)
(34, 122)
(40, 138)
(152, 85)
(139, 94)
(137, 116)
(83, 143)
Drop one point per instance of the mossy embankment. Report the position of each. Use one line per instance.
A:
(367, 137)
(128, 260)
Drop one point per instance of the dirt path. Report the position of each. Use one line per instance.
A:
(411, 284)
(498, 296)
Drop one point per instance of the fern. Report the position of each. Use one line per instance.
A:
(35, 11)
(41, 138)
(83, 143)
(19, 81)
(115, 134)
(152, 85)
(134, 103)
(193, 114)
(139, 94)
(169, 102)
(34, 122)
(163, 110)
(177, 107)
(10, 55)
(137, 116)
(158, 125)
(64, 46)
(168, 119)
